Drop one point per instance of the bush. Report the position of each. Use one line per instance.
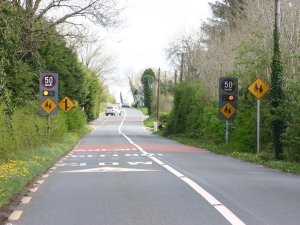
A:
(211, 129)
(163, 118)
(189, 101)
(291, 137)
(76, 120)
(25, 129)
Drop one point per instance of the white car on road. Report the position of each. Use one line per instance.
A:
(113, 110)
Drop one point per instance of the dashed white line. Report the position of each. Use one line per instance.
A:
(45, 175)
(33, 189)
(40, 181)
(26, 200)
(15, 215)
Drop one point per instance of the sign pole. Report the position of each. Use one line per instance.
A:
(258, 126)
(49, 120)
(227, 132)
(258, 88)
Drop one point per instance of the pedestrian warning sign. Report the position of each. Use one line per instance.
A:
(228, 110)
(48, 105)
(259, 88)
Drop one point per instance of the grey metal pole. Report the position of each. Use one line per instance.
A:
(227, 132)
(258, 126)
(158, 93)
(49, 124)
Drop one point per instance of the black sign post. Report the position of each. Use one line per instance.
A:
(228, 99)
(48, 93)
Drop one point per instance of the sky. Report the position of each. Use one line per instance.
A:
(150, 27)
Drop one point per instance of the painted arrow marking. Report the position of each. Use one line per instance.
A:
(137, 163)
(109, 169)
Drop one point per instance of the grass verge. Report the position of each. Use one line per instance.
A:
(16, 174)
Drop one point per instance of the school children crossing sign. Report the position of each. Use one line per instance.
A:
(259, 88)
(228, 110)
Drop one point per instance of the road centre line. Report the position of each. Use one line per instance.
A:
(223, 210)
(120, 132)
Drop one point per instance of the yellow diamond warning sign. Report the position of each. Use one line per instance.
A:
(48, 105)
(259, 88)
(66, 104)
(228, 110)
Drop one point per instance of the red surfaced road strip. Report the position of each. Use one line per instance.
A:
(129, 147)
(171, 148)
(123, 147)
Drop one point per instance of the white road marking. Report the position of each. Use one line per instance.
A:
(15, 215)
(120, 132)
(33, 189)
(109, 169)
(109, 164)
(26, 200)
(60, 164)
(137, 163)
(223, 210)
(45, 175)
(40, 181)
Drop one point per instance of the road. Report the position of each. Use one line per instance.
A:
(121, 175)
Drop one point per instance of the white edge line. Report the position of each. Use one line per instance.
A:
(223, 210)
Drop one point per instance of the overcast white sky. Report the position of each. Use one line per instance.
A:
(150, 26)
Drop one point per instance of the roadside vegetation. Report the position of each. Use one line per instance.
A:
(31, 44)
(238, 41)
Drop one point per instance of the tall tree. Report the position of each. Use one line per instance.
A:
(148, 79)
(121, 97)
(227, 12)
(277, 95)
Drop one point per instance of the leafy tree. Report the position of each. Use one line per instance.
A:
(291, 137)
(57, 57)
(186, 115)
(148, 79)
(227, 12)
(91, 95)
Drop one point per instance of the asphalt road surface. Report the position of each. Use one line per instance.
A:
(122, 175)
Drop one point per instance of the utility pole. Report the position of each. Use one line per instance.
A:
(181, 67)
(277, 94)
(158, 93)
